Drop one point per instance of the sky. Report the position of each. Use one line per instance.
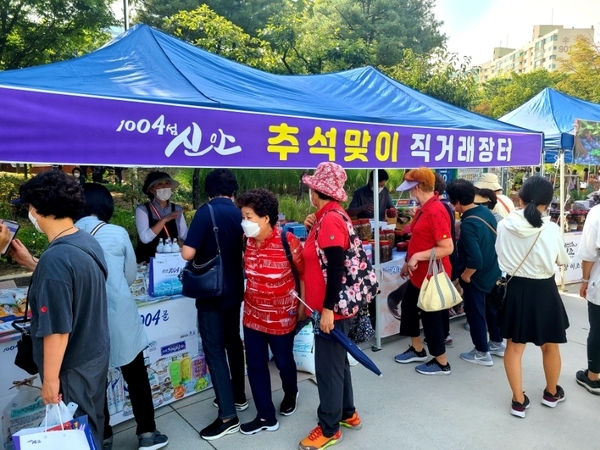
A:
(475, 27)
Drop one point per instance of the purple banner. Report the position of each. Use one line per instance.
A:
(42, 127)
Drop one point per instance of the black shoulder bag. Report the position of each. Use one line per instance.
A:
(24, 359)
(204, 281)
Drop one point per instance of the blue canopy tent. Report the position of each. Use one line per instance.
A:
(146, 96)
(148, 99)
(554, 114)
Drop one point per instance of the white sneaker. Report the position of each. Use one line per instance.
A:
(497, 348)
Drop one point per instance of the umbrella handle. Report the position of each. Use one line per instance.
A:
(295, 294)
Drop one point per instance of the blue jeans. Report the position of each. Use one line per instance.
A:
(257, 346)
(220, 332)
(481, 317)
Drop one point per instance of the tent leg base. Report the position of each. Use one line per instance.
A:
(374, 348)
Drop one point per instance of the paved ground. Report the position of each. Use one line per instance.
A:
(466, 410)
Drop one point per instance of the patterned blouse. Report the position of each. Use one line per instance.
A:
(268, 306)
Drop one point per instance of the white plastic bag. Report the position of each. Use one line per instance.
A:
(58, 414)
(304, 349)
(25, 410)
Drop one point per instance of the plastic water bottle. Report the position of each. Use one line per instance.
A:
(174, 246)
(161, 246)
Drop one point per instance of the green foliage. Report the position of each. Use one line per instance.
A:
(206, 29)
(503, 94)
(582, 71)
(36, 32)
(388, 26)
(440, 75)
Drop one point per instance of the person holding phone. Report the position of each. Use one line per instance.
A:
(4, 236)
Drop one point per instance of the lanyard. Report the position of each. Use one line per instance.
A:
(160, 217)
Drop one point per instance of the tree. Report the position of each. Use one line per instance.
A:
(248, 15)
(206, 29)
(389, 26)
(304, 43)
(501, 95)
(582, 71)
(440, 75)
(34, 32)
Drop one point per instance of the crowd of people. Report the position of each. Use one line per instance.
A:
(80, 288)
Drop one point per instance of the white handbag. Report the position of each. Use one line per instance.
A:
(437, 291)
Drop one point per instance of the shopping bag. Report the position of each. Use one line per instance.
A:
(437, 291)
(72, 434)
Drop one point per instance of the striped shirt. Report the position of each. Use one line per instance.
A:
(268, 306)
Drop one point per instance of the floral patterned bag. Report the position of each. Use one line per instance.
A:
(359, 283)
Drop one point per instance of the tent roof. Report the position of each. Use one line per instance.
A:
(148, 65)
(554, 114)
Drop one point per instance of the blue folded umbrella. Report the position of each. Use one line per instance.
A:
(340, 338)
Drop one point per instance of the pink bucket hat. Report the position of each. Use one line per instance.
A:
(329, 179)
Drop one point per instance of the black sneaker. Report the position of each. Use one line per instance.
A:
(550, 400)
(288, 404)
(240, 406)
(518, 409)
(582, 380)
(218, 429)
(107, 444)
(257, 425)
(152, 441)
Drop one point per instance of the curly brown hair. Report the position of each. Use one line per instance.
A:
(262, 201)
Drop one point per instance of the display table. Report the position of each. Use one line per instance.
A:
(389, 297)
(177, 368)
(392, 287)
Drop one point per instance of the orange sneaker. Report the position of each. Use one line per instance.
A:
(353, 422)
(316, 441)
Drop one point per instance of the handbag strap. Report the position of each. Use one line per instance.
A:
(503, 204)
(484, 221)
(531, 248)
(215, 227)
(97, 228)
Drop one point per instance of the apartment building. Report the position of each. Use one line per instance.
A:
(548, 45)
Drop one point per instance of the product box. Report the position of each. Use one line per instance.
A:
(164, 273)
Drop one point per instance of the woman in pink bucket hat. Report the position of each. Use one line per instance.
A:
(328, 235)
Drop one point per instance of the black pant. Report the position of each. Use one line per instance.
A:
(86, 386)
(433, 322)
(224, 351)
(593, 340)
(140, 395)
(334, 382)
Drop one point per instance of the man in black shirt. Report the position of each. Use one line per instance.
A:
(361, 205)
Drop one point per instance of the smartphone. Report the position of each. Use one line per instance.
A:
(13, 227)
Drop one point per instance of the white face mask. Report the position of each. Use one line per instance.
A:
(163, 194)
(380, 190)
(34, 222)
(310, 194)
(251, 229)
(413, 196)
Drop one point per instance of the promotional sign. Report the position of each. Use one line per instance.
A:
(587, 142)
(136, 133)
(164, 274)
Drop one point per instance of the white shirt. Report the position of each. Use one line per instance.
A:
(142, 223)
(516, 236)
(588, 251)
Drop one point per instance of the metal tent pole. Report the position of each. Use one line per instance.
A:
(377, 258)
(126, 14)
(561, 165)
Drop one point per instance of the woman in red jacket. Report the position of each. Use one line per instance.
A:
(270, 312)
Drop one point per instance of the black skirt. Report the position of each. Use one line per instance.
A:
(533, 312)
